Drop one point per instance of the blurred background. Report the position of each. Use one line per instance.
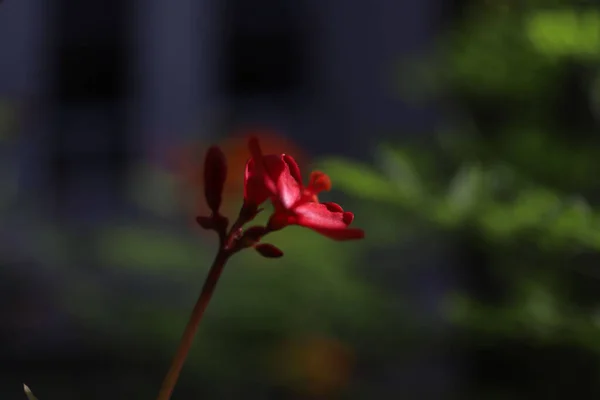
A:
(463, 135)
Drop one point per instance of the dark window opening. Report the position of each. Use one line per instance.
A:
(91, 73)
(271, 64)
(264, 50)
(89, 138)
(91, 51)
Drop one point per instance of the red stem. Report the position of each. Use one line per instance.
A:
(192, 327)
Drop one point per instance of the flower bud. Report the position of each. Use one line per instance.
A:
(215, 173)
(268, 250)
(206, 222)
(253, 235)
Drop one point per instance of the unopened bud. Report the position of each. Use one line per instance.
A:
(205, 222)
(268, 250)
(215, 173)
(248, 212)
(253, 235)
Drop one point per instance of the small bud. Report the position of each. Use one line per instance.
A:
(268, 250)
(216, 222)
(255, 232)
(248, 212)
(215, 173)
(220, 223)
(206, 222)
(253, 235)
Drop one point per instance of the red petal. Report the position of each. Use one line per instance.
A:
(254, 147)
(288, 189)
(319, 182)
(317, 215)
(255, 190)
(322, 219)
(342, 234)
(274, 167)
(333, 207)
(261, 178)
(280, 220)
(294, 168)
(348, 217)
(265, 169)
(272, 176)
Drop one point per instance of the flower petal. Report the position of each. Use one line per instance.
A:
(326, 220)
(294, 168)
(333, 207)
(280, 219)
(288, 190)
(255, 188)
(319, 182)
(254, 147)
(348, 217)
(263, 179)
(342, 234)
(317, 215)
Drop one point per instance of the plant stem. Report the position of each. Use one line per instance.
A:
(192, 326)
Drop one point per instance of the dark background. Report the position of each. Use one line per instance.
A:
(462, 134)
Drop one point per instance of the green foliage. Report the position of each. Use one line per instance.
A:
(259, 302)
(499, 32)
(486, 198)
(147, 248)
(564, 33)
(472, 198)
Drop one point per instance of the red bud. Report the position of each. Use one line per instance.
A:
(215, 173)
(248, 212)
(268, 250)
(205, 222)
(254, 233)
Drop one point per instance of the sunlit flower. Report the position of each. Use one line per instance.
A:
(278, 178)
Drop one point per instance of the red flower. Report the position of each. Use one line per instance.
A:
(278, 178)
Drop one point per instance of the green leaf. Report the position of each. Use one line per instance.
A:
(359, 180)
(565, 33)
(535, 207)
(402, 174)
(575, 222)
(465, 191)
(147, 248)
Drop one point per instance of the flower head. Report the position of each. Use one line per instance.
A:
(278, 178)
